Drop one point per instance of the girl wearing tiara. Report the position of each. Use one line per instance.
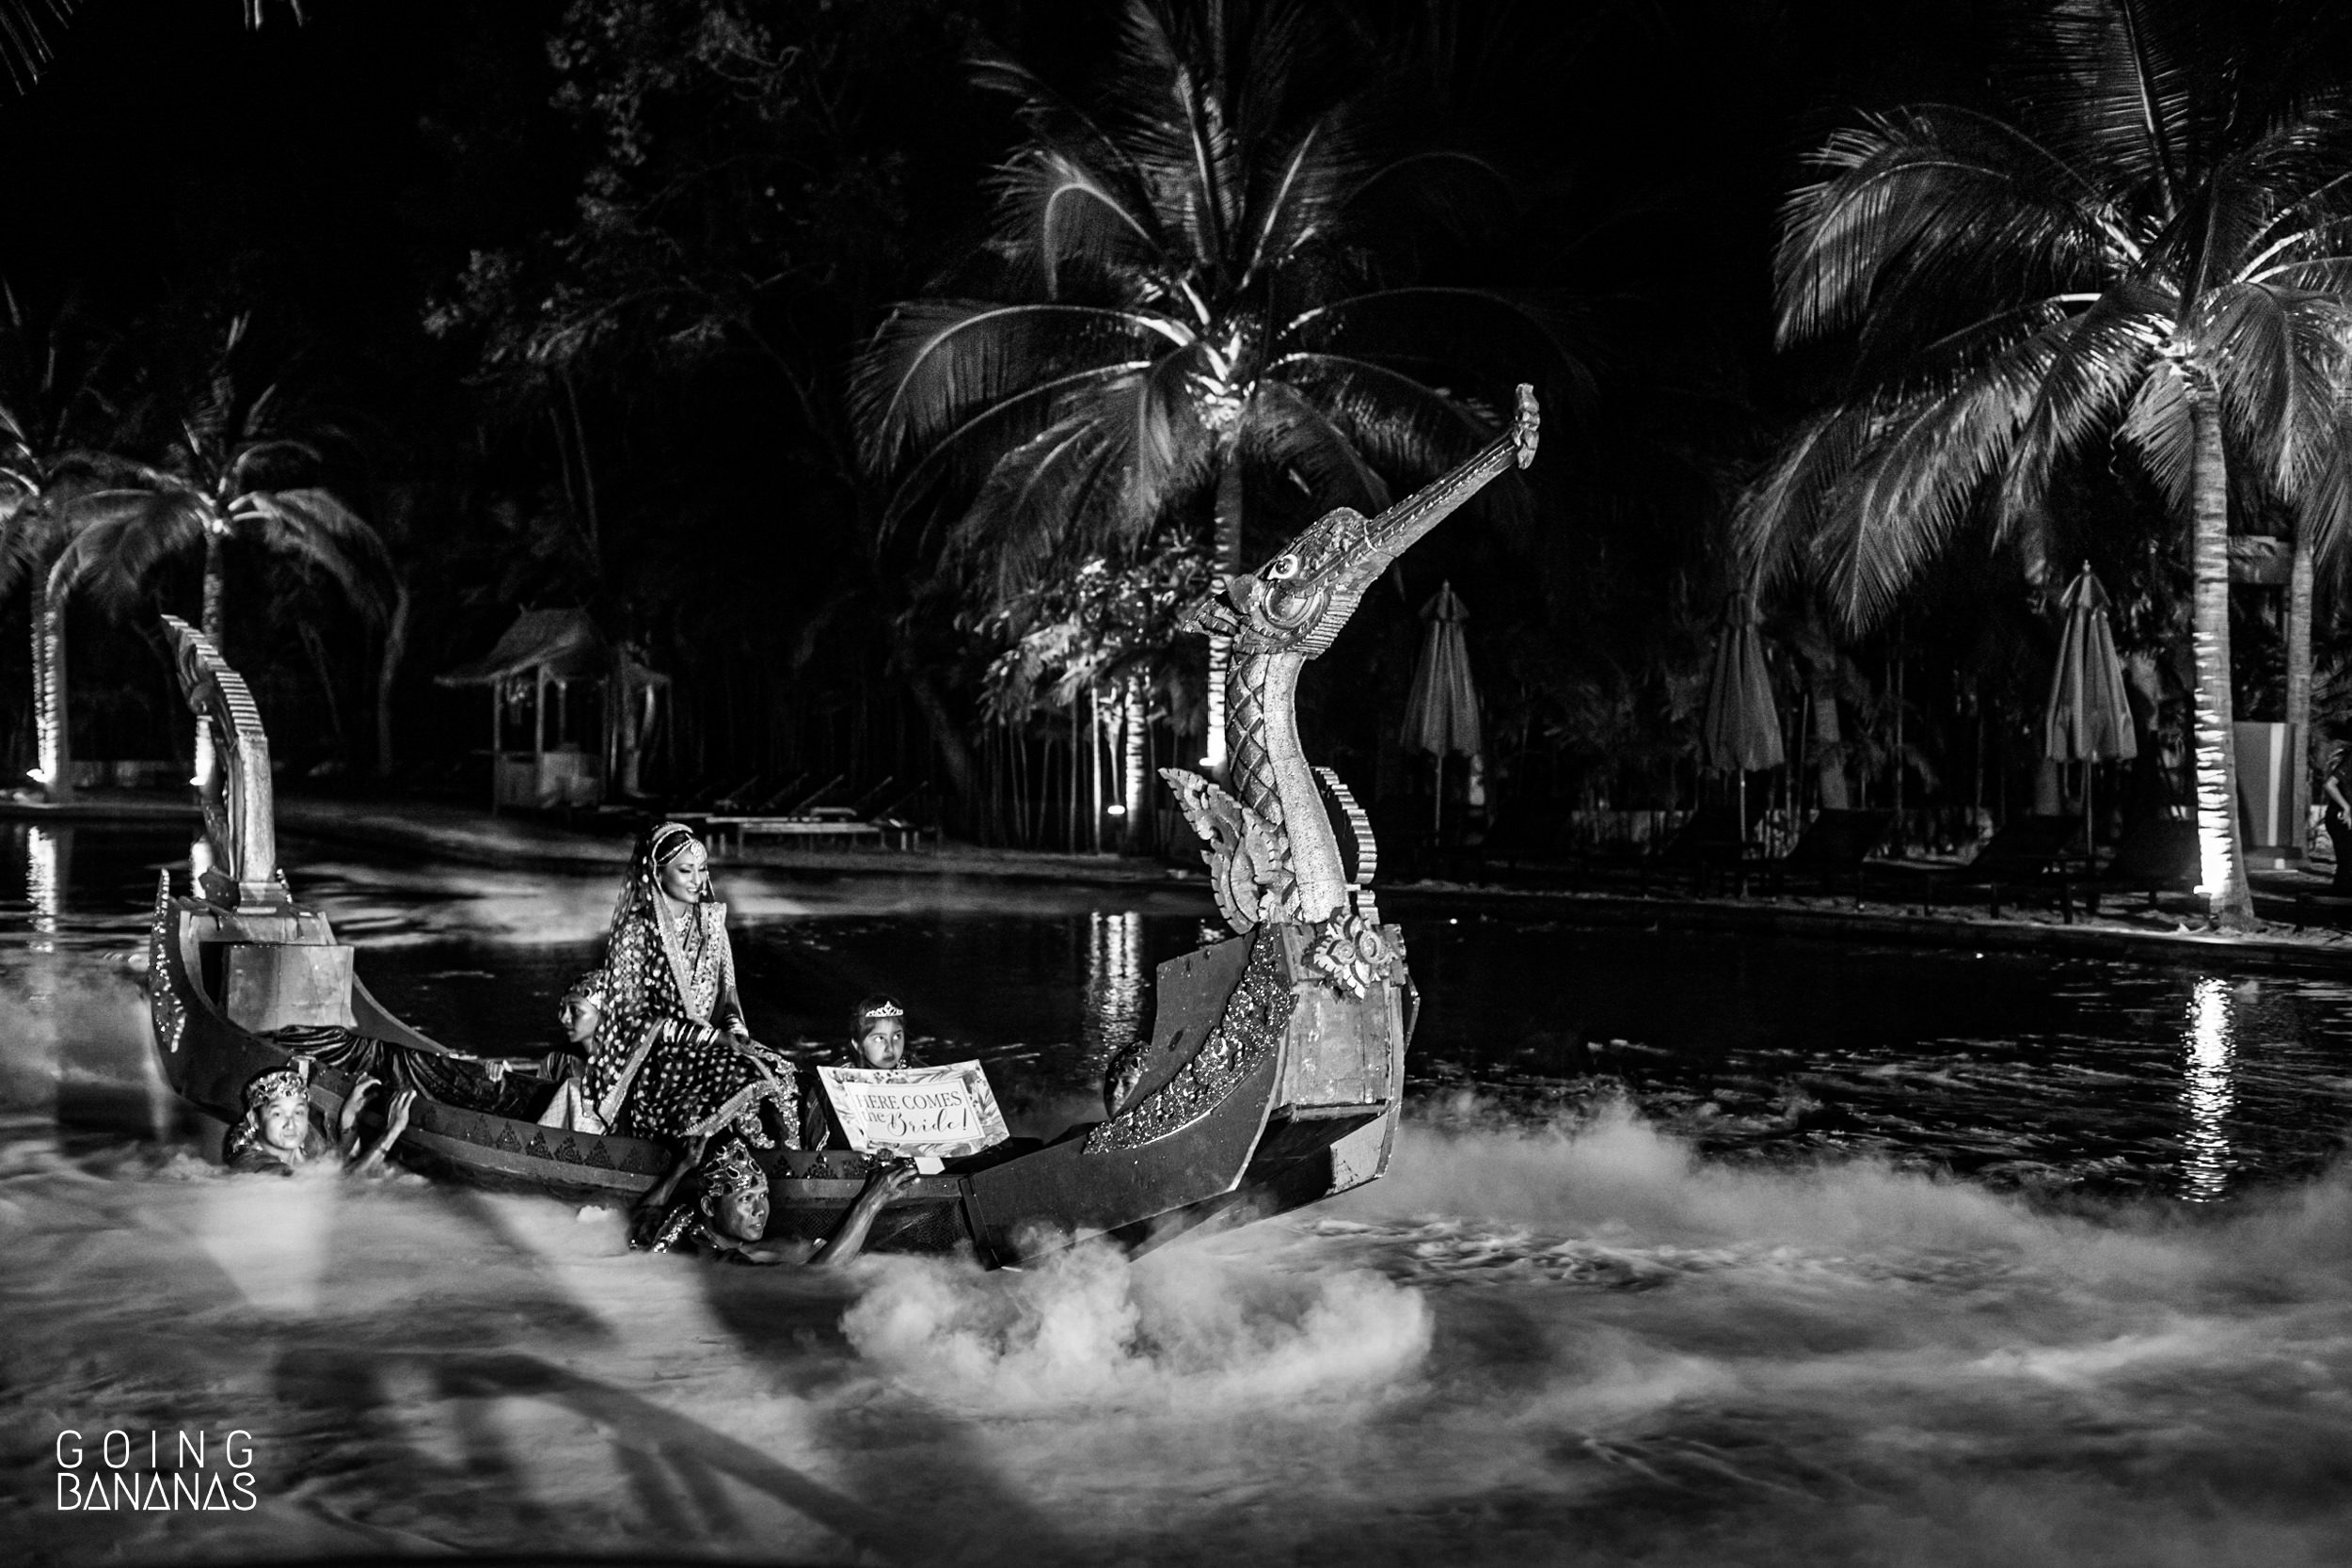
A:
(877, 1039)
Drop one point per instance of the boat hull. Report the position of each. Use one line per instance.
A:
(1239, 1142)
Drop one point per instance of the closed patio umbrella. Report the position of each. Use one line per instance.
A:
(1441, 711)
(2088, 719)
(1740, 729)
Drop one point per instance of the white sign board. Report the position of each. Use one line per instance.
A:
(936, 1112)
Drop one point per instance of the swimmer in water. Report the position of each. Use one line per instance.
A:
(727, 1220)
(278, 1136)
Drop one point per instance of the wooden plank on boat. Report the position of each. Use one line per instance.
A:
(1340, 1047)
(1069, 1193)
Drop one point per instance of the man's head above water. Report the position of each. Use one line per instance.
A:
(735, 1191)
(878, 1032)
(278, 1106)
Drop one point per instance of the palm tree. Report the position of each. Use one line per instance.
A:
(1189, 286)
(53, 414)
(221, 477)
(2147, 251)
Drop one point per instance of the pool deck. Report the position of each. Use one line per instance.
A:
(442, 831)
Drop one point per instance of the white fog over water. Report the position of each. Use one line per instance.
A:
(1586, 1319)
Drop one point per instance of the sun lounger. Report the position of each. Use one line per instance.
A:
(2030, 855)
(2158, 855)
(732, 834)
(1708, 843)
(1833, 845)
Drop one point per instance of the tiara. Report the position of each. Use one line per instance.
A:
(287, 1083)
(667, 841)
(883, 1009)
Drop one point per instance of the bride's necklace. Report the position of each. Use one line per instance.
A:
(692, 939)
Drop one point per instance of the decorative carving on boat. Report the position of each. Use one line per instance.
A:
(1273, 832)
(1350, 952)
(240, 814)
(1273, 844)
(1248, 858)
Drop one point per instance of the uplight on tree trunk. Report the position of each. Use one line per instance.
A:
(1134, 714)
(1212, 749)
(2222, 868)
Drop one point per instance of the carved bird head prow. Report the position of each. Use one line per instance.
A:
(1302, 597)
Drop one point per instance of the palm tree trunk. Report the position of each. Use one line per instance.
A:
(215, 590)
(49, 707)
(2223, 863)
(386, 672)
(1828, 736)
(946, 737)
(2299, 688)
(1229, 521)
(323, 669)
(1132, 720)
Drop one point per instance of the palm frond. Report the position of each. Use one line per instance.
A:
(1172, 123)
(2118, 81)
(1397, 420)
(1298, 199)
(1780, 516)
(2308, 391)
(1045, 494)
(2156, 427)
(1284, 432)
(1922, 474)
(1055, 208)
(2086, 368)
(254, 462)
(27, 29)
(1931, 206)
(317, 529)
(960, 459)
(122, 537)
(936, 362)
(1432, 330)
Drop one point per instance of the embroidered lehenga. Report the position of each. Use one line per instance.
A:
(663, 1064)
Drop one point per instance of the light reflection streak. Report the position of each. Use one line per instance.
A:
(2205, 1090)
(40, 883)
(1114, 1008)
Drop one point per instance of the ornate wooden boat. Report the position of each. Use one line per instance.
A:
(1273, 1076)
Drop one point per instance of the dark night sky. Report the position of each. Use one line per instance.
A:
(167, 141)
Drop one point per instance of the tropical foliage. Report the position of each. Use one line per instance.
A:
(2143, 256)
(1197, 285)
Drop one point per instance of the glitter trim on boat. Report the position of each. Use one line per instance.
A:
(171, 1014)
(1255, 1021)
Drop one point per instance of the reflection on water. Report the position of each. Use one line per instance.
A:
(2206, 1091)
(1115, 988)
(42, 889)
(1555, 1330)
